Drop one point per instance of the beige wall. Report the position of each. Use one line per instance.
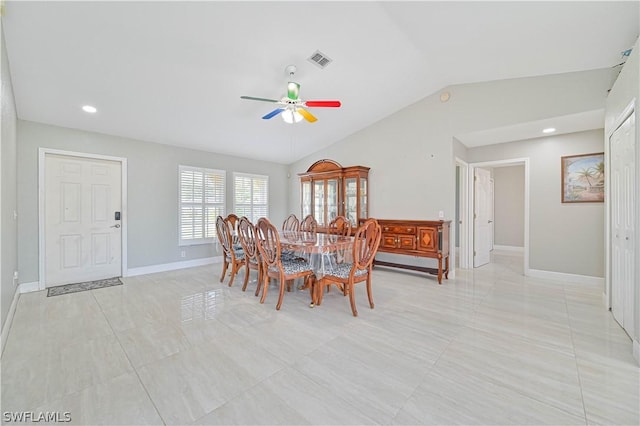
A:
(152, 214)
(8, 179)
(508, 194)
(566, 238)
(411, 153)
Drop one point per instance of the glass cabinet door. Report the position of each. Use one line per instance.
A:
(332, 201)
(306, 198)
(351, 200)
(364, 208)
(318, 201)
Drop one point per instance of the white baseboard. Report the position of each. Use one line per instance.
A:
(9, 319)
(29, 287)
(561, 276)
(509, 248)
(143, 270)
(22, 288)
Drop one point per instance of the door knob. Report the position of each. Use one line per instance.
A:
(117, 225)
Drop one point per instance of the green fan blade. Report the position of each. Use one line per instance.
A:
(292, 90)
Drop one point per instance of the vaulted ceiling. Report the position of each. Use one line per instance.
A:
(173, 72)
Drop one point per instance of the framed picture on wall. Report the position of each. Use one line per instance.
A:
(583, 178)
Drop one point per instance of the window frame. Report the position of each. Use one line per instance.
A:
(253, 176)
(203, 204)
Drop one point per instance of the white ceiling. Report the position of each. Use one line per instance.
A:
(173, 72)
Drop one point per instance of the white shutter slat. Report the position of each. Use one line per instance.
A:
(251, 196)
(201, 201)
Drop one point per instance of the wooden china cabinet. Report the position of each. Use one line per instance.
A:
(329, 190)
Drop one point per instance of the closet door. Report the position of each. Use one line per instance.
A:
(622, 223)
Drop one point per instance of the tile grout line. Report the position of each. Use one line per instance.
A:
(430, 369)
(575, 355)
(135, 370)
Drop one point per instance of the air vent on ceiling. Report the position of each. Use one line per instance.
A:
(320, 59)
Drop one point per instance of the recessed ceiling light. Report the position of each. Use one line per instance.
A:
(549, 130)
(90, 109)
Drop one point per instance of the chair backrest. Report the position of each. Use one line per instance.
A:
(291, 223)
(232, 222)
(309, 224)
(247, 236)
(268, 242)
(365, 246)
(224, 236)
(340, 225)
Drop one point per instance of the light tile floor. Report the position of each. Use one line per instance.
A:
(489, 347)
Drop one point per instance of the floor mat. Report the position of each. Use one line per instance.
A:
(88, 285)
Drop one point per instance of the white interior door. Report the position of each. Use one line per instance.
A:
(83, 239)
(622, 165)
(483, 214)
(492, 223)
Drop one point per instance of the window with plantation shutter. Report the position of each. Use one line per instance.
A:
(251, 196)
(201, 202)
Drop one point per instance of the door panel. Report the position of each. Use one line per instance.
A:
(483, 217)
(623, 273)
(82, 237)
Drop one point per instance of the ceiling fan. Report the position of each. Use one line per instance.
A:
(291, 107)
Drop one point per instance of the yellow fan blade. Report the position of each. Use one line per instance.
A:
(307, 115)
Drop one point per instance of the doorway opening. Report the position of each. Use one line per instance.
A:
(472, 236)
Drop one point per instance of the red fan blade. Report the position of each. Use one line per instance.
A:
(335, 104)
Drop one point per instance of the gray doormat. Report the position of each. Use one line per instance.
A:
(88, 285)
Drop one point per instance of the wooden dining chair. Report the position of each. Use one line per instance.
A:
(247, 236)
(291, 223)
(273, 266)
(340, 225)
(365, 246)
(231, 256)
(309, 224)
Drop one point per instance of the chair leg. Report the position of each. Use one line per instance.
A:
(259, 281)
(225, 265)
(369, 293)
(281, 294)
(352, 299)
(234, 271)
(246, 276)
(265, 286)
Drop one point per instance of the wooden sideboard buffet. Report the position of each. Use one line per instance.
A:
(422, 238)
(328, 190)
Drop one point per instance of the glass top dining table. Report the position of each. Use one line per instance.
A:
(323, 251)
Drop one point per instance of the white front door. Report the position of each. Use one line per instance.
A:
(623, 272)
(82, 233)
(483, 214)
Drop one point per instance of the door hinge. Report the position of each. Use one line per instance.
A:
(474, 252)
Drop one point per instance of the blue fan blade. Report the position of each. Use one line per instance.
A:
(273, 113)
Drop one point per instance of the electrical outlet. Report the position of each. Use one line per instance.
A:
(183, 253)
(441, 214)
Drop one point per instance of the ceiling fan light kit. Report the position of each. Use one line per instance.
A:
(291, 107)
